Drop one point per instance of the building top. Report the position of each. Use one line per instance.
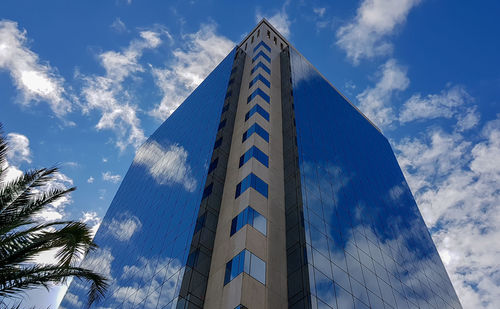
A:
(279, 39)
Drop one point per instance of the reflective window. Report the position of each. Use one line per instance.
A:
(247, 262)
(252, 181)
(259, 92)
(366, 242)
(263, 55)
(262, 66)
(255, 128)
(213, 165)
(217, 143)
(207, 191)
(145, 237)
(222, 124)
(256, 153)
(257, 109)
(263, 45)
(261, 78)
(251, 217)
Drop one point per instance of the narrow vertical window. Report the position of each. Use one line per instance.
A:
(257, 109)
(258, 33)
(268, 34)
(208, 190)
(247, 262)
(251, 217)
(255, 128)
(256, 153)
(275, 41)
(246, 46)
(252, 40)
(252, 181)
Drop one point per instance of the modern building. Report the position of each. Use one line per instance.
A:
(266, 188)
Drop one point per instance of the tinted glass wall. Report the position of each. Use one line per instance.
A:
(146, 234)
(366, 244)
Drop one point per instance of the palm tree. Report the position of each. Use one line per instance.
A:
(23, 237)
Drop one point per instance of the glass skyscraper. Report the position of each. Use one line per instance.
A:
(266, 188)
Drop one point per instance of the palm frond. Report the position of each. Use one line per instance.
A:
(19, 214)
(3, 154)
(32, 277)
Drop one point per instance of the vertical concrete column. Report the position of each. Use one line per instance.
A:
(271, 248)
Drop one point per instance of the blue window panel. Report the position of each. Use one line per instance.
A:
(257, 268)
(207, 191)
(257, 109)
(255, 128)
(213, 165)
(251, 217)
(222, 124)
(247, 262)
(193, 258)
(258, 92)
(262, 79)
(261, 65)
(256, 153)
(218, 143)
(252, 181)
(263, 45)
(200, 222)
(263, 55)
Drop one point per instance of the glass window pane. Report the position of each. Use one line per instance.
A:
(258, 269)
(260, 223)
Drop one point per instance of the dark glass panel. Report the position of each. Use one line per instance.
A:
(259, 92)
(145, 237)
(263, 55)
(354, 195)
(261, 43)
(262, 66)
(257, 109)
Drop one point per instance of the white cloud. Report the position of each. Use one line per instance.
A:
(375, 102)
(124, 227)
(319, 11)
(19, 151)
(108, 95)
(108, 176)
(36, 81)
(118, 25)
(92, 219)
(366, 35)
(90, 180)
(455, 182)
(73, 300)
(451, 102)
(56, 210)
(166, 165)
(200, 54)
(145, 279)
(99, 261)
(280, 20)
(19, 148)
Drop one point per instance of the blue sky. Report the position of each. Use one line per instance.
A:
(82, 84)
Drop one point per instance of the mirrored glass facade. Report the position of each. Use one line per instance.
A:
(355, 237)
(312, 211)
(145, 237)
